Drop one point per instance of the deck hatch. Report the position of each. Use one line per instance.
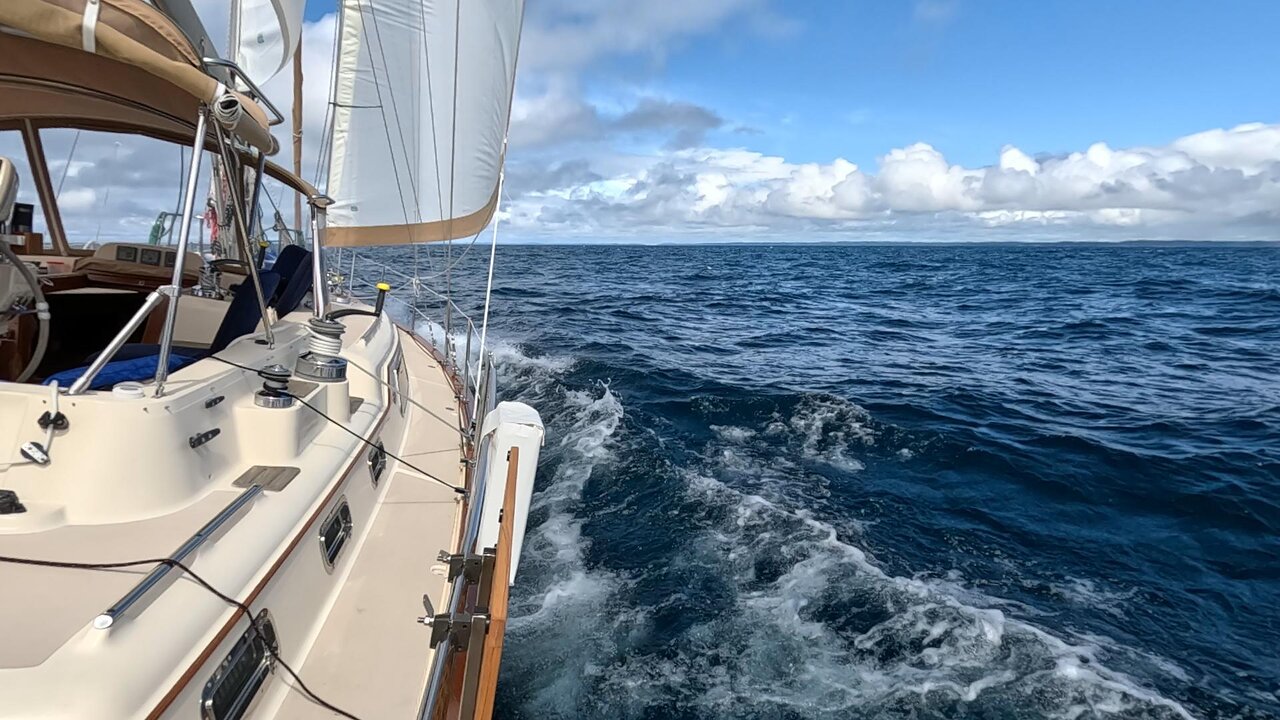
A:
(235, 685)
(334, 532)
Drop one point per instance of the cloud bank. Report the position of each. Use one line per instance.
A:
(1228, 179)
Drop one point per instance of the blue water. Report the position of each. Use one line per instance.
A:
(898, 482)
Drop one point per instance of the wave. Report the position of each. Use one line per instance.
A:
(760, 607)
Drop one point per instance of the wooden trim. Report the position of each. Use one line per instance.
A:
(237, 613)
(492, 657)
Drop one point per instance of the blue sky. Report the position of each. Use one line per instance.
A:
(671, 120)
(955, 115)
(857, 78)
(854, 79)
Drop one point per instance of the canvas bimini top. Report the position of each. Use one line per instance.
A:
(117, 65)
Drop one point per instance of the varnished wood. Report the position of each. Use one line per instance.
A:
(500, 594)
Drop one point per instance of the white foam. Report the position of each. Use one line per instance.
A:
(1087, 593)
(733, 433)
(934, 642)
(510, 354)
(775, 647)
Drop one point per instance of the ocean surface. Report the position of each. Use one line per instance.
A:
(895, 482)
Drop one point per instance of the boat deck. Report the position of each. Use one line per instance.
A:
(350, 632)
(55, 603)
(371, 658)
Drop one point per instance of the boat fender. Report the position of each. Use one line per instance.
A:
(510, 424)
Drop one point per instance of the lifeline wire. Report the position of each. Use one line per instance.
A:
(243, 607)
(353, 433)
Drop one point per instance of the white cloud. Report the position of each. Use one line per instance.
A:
(566, 35)
(1214, 179)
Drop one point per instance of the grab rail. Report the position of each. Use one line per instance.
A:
(150, 584)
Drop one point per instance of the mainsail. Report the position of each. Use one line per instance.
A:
(422, 97)
(266, 34)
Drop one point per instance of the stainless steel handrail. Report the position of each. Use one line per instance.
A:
(254, 91)
(150, 584)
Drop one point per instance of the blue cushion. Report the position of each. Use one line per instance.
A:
(243, 314)
(287, 263)
(291, 296)
(137, 369)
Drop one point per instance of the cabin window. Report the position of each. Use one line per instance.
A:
(114, 187)
(334, 532)
(231, 691)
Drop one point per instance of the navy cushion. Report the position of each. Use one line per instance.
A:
(287, 263)
(139, 369)
(294, 291)
(242, 314)
(137, 362)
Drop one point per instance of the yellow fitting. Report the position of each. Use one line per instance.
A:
(384, 287)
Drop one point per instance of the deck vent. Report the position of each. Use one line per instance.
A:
(377, 462)
(334, 532)
(235, 685)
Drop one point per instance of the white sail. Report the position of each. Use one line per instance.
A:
(267, 33)
(422, 97)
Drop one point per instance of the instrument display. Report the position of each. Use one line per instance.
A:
(127, 254)
(150, 257)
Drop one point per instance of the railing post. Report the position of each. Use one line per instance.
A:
(466, 359)
(82, 383)
(448, 327)
(319, 279)
(179, 265)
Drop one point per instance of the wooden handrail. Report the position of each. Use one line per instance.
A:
(492, 657)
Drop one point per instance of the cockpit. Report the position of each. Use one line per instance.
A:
(68, 284)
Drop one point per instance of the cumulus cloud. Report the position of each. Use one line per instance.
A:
(1211, 179)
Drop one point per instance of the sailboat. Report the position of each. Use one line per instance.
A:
(233, 488)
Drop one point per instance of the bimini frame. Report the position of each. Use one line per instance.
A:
(124, 66)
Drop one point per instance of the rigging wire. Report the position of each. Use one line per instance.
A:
(70, 155)
(395, 110)
(431, 112)
(382, 113)
(326, 135)
(453, 158)
(206, 585)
